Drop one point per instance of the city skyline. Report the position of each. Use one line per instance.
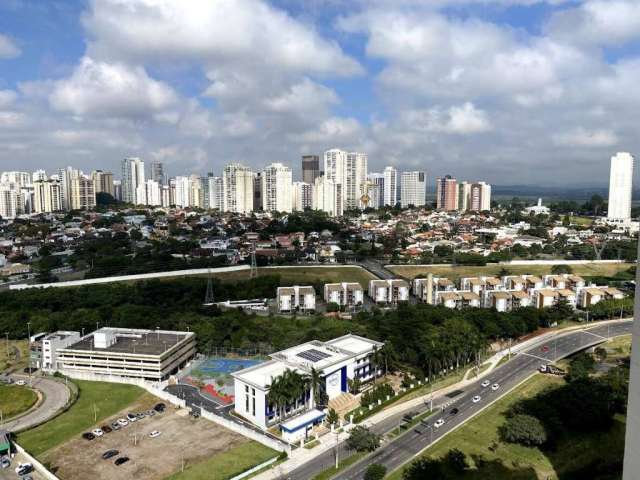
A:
(80, 85)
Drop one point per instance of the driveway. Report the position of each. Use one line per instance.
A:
(56, 395)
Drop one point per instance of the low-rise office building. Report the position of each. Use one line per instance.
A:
(337, 361)
(296, 299)
(53, 342)
(127, 352)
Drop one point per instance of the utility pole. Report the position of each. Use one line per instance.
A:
(254, 265)
(337, 449)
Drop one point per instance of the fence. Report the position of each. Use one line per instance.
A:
(39, 467)
(255, 469)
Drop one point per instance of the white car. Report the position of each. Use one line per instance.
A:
(155, 434)
(439, 423)
(485, 384)
(476, 399)
(21, 382)
(123, 422)
(24, 469)
(97, 432)
(495, 386)
(5, 462)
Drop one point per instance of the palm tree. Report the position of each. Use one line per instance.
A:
(314, 380)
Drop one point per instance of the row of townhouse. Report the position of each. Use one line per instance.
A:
(349, 295)
(511, 292)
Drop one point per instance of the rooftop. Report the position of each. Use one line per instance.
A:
(138, 341)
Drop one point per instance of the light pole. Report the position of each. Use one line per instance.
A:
(29, 348)
(337, 449)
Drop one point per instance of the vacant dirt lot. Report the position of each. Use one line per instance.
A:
(183, 437)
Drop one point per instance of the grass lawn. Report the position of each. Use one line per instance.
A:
(227, 464)
(619, 347)
(106, 398)
(581, 221)
(15, 399)
(455, 272)
(302, 275)
(10, 361)
(511, 461)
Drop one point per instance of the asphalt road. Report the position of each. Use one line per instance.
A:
(402, 449)
(56, 395)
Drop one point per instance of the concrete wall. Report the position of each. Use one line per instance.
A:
(247, 432)
(40, 468)
(141, 276)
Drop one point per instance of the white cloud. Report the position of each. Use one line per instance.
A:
(459, 119)
(8, 48)
(116, 89)
(581, 137)
(231, 32)
(302, 97)
(598, 22)
(7, 98)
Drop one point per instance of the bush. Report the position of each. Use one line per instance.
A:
(375, 471)
(378, 393)
(523, 429)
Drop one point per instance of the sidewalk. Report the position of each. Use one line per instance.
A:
(302, 455)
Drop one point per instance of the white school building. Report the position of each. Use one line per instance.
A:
(338, 361)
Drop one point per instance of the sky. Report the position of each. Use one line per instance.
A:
(535, 92)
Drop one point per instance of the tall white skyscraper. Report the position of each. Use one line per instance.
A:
(47, 196)
(327, 196)
(20, 179)
(464, 196)
(413, 189)
(277, 192)
(390, 196)
(237, 182)
(376, 190)
(132, 176)
(302, 196)
(183, 191)
(479, 197)
(10, 200)
(216, 193)
(348, 169)
(620, 188)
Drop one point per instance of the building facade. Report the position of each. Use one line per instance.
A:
(277, 195)
(310, 168)
(237, 182)
(446, 193)
(348, 169)
(620, 188)
(302, 196)
(132, 177)
(413, 189)
(390, 196)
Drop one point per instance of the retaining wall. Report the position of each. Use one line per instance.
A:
(39, 467)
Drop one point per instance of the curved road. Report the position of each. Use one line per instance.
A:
(402, 449)
(56, 395)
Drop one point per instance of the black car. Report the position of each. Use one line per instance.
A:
(160, 407)
(121, 460)
(106, 429)
(88, 436)
(24, 469)
(109, 453)
(30, 370)
(454, 411)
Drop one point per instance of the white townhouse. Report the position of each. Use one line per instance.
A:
(296, 299)
(389, 291)
(345, 294)
(338, 361)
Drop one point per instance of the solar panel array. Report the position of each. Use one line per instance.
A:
(313, 355)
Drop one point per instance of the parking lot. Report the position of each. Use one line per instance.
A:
(10, 473)
(182, 438)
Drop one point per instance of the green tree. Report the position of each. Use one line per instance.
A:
(523, 429)
(361, 439)
(375, 471)
(332, 417)
(424, 468)
(456, 460)
(560, 269)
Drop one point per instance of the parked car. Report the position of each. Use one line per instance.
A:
(106, 429)
(97, 432)
(24, 469)
(195, 413)
(30, 370)
(160, 407)
(123, 422)
(454, 411)
(485, 384)
(121, 460)
(88, 436)
(495, 386)
(21, 382)
(109, 453)
(150, 413)
(140, 415)
(132, 417)
(155, 434)
(476, 399)
(5, 462)
(439, 423)
(115, 426)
